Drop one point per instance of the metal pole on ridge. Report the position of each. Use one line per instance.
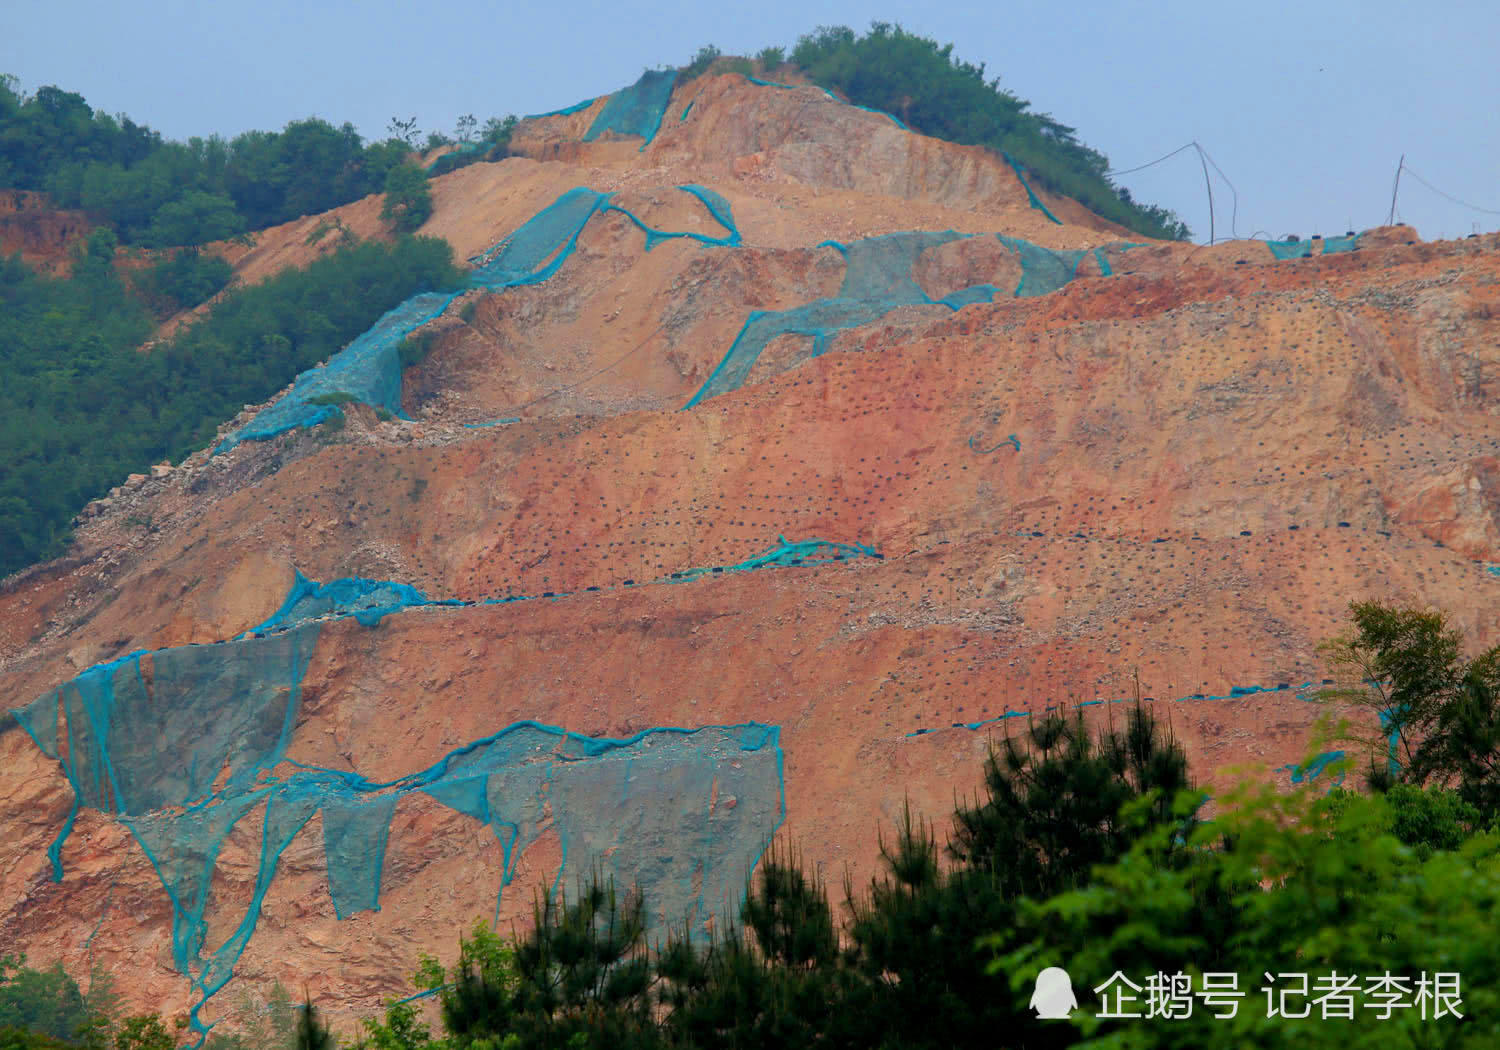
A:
(1391, 219)
(1210, 186)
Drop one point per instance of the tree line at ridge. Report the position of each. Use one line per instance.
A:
(1089, 847)
(938, 94)
(158, 193)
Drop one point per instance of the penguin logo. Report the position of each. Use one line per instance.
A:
(1053, 998)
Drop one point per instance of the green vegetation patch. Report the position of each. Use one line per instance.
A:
(937, 94)
(82, 406)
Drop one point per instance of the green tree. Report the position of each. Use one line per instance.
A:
(771, 58)
(47, 1002)
(312, 1032)
(82, 406)
(194, 218)
(1053, 799)
(1437, 711)
(707, 55)
(182, 280)
(1317, 887)
(144, 1032)
(934, 92)
(408, 202)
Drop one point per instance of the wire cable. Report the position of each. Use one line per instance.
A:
(1158, 160)
(1447, 196)
(1205, 160)
(1234, 213)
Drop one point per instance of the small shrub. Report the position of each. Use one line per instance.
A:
(771, 58)
(413, 350)
(707, 55)
(339, 397)
(183, 280)
(408, 202)
(467, 311)
(741, 66)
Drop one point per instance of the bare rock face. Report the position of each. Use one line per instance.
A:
(1176, 468)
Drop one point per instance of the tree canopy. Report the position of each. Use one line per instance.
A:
(82, 406)
(159, 193)
(938, 94)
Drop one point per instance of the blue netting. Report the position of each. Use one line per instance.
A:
(1283, 250)
(638, 109)
(368, 370)
(1306, 691)
(1036, 202)
(878, 112)
(878, 279)
(717, 207)
(185, 743)
(1333, 245)
(493, 423)
(882, 113)
(576, 107)
(365, 600)
(1310, 769)
(1043, 270)
(1010, 439)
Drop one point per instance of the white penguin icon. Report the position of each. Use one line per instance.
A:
(1053, 998)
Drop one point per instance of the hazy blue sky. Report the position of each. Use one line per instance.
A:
(1305, 105)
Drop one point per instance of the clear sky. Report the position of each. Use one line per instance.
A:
(1306, 106)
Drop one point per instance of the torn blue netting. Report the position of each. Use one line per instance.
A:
(186, 744)
(368, 370)
(879, 279)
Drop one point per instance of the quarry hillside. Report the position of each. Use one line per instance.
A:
(775, 458)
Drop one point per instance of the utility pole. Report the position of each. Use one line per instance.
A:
(1210, 187)
(1391, 219)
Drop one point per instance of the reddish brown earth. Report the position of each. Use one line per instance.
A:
(41, 233)
(1218, 457)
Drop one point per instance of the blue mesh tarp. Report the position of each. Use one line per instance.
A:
(1310, 769)
(576, 107)
(1283, 250)
(1036, 202)
(355, 830)
(1347, 243)
(878, 279)
(638, 109)
(1043, 270)
(368, 370)
(184, 744)
(365, 600)
(717, 207)
(540, 246)
(878, 112)
(220, 710)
